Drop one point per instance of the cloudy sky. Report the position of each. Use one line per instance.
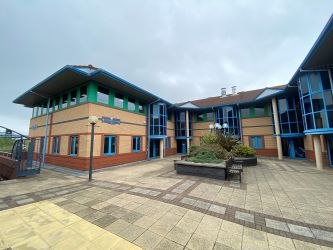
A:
(179, 50)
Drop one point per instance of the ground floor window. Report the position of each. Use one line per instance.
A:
(56, 145)
(110, 143)
(136, 143)
(74, 140)
(256, 142)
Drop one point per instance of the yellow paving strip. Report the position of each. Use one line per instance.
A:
(44, 225)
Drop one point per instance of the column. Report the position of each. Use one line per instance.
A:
(318, 151)
(187, 132)
(161, 148)
(277, 128)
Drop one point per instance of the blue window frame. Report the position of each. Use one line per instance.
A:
(136, 143)
(73, 142)
(56, 145)
(110, 145)
(229, 115)
(256, 142)
(158, 119)
(315, 90)
(180, 124)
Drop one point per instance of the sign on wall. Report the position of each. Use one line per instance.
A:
(110, 120)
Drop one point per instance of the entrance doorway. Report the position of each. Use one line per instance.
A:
(154, 149)
(293, 148)
(181, 146)
(330, 150)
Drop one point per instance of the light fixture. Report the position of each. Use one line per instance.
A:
(211, 126)
(92, 119)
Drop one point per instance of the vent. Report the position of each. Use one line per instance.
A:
(223, 92)
(234, 90)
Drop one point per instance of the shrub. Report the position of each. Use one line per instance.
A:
(214, 150)
(205, 157)
(243, 151)
(226, 142)
(209, 139)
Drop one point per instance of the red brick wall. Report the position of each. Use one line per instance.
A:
(267, 152)
(82, 163)
(170, 151)
(310, 155)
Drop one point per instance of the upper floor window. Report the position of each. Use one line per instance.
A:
(141, 108)
(110, 143)
(259, 111)
(56, 103)
(64, 101)
(131, 104)
(245, 112)
(210, 116)
(136, 143)
(56, 145)
(103, 95)
(83, 94)
(73, 98)
(119, 100)
(200, 117)
(73, 145)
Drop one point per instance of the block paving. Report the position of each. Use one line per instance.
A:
(279, 205)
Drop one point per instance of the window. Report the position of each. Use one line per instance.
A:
(131, 104)
(119, 100)
(73, 98)
(83, 94)
(109, 145)
(259, 111)
(35, 112)
(167, 143)
(103, 95)
(73, 145)
(228, 117)
(200, 117)
(136, 143)
(64, 101)
(210, 116)
(245, 112)
(158, 119)
(56, 103)
(56, 145)
(256, 142)
(141, 108)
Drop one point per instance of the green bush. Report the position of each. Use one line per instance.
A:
(213, 151)
(209, 139)
(243, 151)
(226, 142)
(205, 157)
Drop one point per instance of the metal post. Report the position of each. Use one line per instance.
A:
(91, 150)
(46, 128)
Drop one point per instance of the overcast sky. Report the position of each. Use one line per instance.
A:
(178, 50)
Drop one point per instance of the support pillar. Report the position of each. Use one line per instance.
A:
(318, 151)
(161, 148)
(277, 128)
(187, 132)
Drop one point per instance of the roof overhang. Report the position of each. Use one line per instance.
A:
(320, 55)
(71, 76)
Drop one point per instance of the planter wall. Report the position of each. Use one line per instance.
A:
(246, 161)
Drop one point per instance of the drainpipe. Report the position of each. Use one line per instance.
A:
(46, 128)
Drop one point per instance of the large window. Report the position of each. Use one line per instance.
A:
(131, 104)
(103, 95)
(56, 145)
(119, 100)
(110, 143)
(158, 119)
(228, 117)
(316, 99)
(290, 116)
(256, 142)
(180, 124)
(73, 145)
(136, 143)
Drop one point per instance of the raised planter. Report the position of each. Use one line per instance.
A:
(216, 171)
(246, 161)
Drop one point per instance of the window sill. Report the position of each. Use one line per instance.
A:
(109, 154)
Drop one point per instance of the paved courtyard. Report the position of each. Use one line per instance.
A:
(279, 205)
